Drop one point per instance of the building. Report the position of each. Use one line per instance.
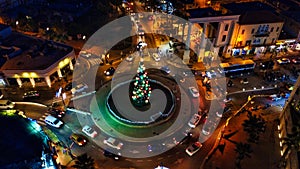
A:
(217, 29)
(289, 119)
(253, 36)
(231, 30)
(28, 61)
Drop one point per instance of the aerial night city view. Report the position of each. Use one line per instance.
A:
(150, 84)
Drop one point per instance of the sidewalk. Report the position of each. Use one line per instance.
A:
(266, 153)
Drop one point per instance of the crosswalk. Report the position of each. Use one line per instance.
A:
(95, 61)
(41, 121)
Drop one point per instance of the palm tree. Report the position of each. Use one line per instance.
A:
(254, 125)
(243, 150)
(84, 162)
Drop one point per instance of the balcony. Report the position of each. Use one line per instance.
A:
(261, 34)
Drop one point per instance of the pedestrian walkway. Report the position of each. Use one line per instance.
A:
(266, 153)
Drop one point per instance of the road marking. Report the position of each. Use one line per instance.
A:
(41, 119)
(67, 126)
(128, 159)
(139, 161)
(149, 160)
(42, 123)
(160, 158)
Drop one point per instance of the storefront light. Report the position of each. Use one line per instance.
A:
(25, 75)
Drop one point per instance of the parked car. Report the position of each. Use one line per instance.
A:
(194, 120)
(283, 61)
(78, 139)
(110, 71)
(53, 121)
(194, 91)
(193, 148)
(56, 112)
(89, 131)
(112, 154)
(113, 143)
(31, 94)
(79, 88)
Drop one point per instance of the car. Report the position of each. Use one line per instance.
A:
(275, 97)
(283, 61)
(79, 88)
(227, 100)
(207, 128)
(110, 71)
(7, 104)
(193, 148)
(194, 91)
(141, 31)
(68, 87)
(244, 81)
(112, 154)
(113, 143)
(56, 112)
(194, 120)
(78, 139)
(296, 60)
(166, 69)
(85, 54)
(31, 94)
(156, 57)
(219, 114)
(53, 121)
(89, 131)
(129, 58)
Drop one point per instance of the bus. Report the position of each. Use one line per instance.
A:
(235, 68)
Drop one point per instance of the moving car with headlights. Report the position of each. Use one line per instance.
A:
(193, 148)
(31, 95)
(56, 112)
(89, 131)
(53, 121)
(194, 120)
(166, 69)
(7, 104)
(79, 88)
(113, 143)
(78, 139)
(194, 91)
(283, 61)
(112, 154)
(110, 71)
(156, 57)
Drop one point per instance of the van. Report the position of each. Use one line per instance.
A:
(53, 121)
(6, 104)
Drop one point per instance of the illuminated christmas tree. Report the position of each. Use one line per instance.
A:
(141, 87)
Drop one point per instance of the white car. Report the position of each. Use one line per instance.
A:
(79, 88)
(156, 57)
(53, 121)
(89, 131)
(194, 91)
(194, 120)
(113, 143)
(129, 58)
(283, 61)
(193, 148)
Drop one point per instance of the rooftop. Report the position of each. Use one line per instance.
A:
(37, 54)
(206, 12)
(268, 17)
(240, 8)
